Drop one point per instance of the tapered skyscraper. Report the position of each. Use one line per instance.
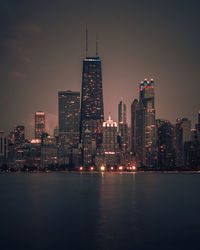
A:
(92, 113)
(92, 93)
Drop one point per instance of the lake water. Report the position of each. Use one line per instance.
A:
(99, 211)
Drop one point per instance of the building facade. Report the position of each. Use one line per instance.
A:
(183, 134)
(165, 144)
(39, 124)
(19, 135)
(69, 116)
(110, 152)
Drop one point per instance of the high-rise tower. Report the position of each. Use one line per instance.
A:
(165, 144)
(134, 108)
(92, 113)
(183, 134)
(146, 125)
(69, 115)
(123, 127)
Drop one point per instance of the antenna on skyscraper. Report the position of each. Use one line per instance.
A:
(86, 46)
(97, 45)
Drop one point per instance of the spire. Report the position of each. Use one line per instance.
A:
(97, 45)
(86, 45)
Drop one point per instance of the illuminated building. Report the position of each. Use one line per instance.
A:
(109, 153)
(69, 116)
(183, 134)
(48, 151)
(122, 125)
(92, 112)
(89, 149)
(145, 124)
(39, 124)
(109, 144)
(19, 135)
(165, 144)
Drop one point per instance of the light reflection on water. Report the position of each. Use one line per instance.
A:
(99, 211)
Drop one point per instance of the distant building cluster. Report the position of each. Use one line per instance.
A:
(84, 139)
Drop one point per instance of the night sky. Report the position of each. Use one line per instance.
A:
(42, 45)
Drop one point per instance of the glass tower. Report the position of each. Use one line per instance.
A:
(92, 112)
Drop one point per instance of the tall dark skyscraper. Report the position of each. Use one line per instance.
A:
(69, 115)
(92, 111)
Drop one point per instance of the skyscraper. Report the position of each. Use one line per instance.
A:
(165, 144)
(92, 112)
(122, 124)
(134, 108)
(145, 125)
(39, 124)
(69, 115)
(110, 145)
(109, 153)
(183, 134)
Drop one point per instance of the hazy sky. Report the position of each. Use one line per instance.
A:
(42, 45)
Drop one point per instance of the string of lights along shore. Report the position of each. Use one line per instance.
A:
(85, 141)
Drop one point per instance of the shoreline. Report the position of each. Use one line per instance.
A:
(108, 172)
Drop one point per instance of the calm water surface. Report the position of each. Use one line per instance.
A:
(99, 211)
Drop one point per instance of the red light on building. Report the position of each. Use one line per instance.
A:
(91, 168)
(111, 168)
(81, 168)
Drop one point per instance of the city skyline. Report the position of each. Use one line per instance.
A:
(39, 59)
